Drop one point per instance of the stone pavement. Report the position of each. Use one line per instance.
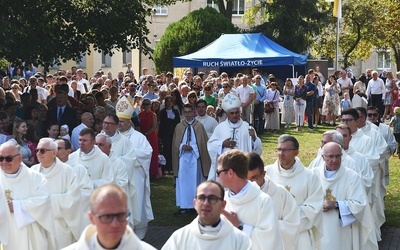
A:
(158, 235)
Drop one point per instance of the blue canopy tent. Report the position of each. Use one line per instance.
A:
(241, 50)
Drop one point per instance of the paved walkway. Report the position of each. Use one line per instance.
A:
(158, 235)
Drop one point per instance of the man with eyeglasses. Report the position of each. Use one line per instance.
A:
(386, 132)
(350, 158)
(209, 230)
(97, 163)
(285, 205)
(303, 185)
(247, 207)
(190, 159)
(122, 149)
(346, 218)
(29, 212)
(64, 192)
(233, 133)
(109, 216)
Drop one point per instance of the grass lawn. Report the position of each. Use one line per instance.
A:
(163, 192)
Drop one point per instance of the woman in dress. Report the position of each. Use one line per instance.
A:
(148, 125)
(169, 118)
(390, 87)
(317, 100)
(330, 107)
(359, 91)
(288, 108)
(299, 103)
(20, 129)
(272, 119)
(226, 89)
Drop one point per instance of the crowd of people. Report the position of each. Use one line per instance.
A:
(70, 145)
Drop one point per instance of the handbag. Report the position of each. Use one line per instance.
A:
(269, 107)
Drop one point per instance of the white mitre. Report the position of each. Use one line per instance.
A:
(229, 102)
(124, 108)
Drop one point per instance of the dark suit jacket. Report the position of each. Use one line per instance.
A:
(68, 117)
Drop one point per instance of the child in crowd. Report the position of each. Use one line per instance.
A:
(346, 102)
(64, 132)
(395, 122)
(211, 111)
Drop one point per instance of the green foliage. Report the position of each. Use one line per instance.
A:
(190, 34)
(43, 31)
(291, 23)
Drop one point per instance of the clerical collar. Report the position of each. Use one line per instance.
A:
(47, 170)
(290, 170)
(15, 175)
(90, 153)
(190, 122)
(243, 190)
(100, 246)
(115, 135)
(329, 174)
(213, 225)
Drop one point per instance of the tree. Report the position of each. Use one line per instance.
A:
(355, 36)
(51, 31)
(190, 34)
(291, 23)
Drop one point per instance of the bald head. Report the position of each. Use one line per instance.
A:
(87, 119)
(106, 192)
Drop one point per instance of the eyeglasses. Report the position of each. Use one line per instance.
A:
(42, 150)
(8, 158)
(347, 120)
(212, 199)
(108, 218)
(100, 144)
(331, 157)
(109, 123)
(273, 85)
(284, 150)
(372, 114)
(258, 78)
(218, 172)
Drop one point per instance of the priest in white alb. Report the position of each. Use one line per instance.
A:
(233, 133)
(347, 219)
(140, 179)
(190, 159)
(285, 205)
(31, 222)
(64, 192)
(359, 164)
(303, 185)
(97, 163)
(85, 183)
(247, 207)
(210, 229)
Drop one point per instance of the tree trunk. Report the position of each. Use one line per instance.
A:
(396, 51)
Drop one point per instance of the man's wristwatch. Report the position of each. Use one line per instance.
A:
(240, 227)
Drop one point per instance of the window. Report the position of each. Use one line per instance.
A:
(160, 10)
(82, 62)
(384, 59)
(238, 7)
(126, 57)
(105, 60)
(210, 3)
